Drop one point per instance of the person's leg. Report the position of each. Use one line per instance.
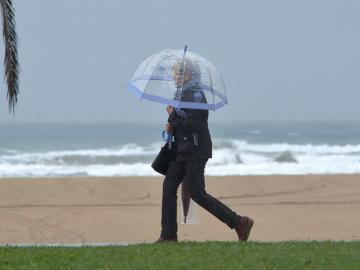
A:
(171, 183)
(195, 182)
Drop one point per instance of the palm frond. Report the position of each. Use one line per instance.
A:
(11, 57)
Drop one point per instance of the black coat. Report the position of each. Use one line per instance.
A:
(191, 135)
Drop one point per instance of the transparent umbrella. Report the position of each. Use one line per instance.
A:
(181, 79)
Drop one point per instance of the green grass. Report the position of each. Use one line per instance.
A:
(188, 255)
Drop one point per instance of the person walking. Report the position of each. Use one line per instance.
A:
(192, 147)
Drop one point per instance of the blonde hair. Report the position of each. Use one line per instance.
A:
(192, 68)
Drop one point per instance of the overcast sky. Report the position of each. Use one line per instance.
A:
(281, 60)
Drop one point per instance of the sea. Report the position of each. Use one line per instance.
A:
(128, 149)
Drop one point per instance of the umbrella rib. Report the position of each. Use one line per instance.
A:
(162, 60)
(222, 80)
(147, 64)
(211, 84)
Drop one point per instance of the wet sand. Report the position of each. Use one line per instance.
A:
(127, 209)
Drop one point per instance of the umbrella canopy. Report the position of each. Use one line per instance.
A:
(181, 79)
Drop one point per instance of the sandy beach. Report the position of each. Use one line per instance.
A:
(127, 209)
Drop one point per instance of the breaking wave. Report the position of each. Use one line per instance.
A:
(230, 157)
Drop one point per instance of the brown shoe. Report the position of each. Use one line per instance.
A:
(243, 227)
(165, 240)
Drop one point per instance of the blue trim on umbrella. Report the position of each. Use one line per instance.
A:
(202, 86)
(205, 87)
(135, 90)
(214, 91)
(174, 103)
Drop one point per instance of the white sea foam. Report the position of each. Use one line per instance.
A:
(230, 157)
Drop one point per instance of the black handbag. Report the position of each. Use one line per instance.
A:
(162, 161)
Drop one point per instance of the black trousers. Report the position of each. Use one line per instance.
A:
(192, 173)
